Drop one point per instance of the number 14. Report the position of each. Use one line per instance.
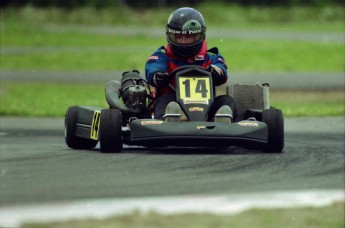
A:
(195, 88)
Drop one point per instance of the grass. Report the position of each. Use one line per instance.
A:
(87, 39)
(220, 15)
(94, 52)
(309, 103)
(104, 40)
(41, 99)
(332, 217)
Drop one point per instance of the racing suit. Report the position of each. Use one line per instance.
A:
(163, 60)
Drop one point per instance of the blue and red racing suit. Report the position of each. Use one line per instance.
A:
(163, 60)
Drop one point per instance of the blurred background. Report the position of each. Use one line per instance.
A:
(161, 3)
(54, 46)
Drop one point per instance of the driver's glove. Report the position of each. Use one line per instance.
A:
(216, 73)
(161, 79)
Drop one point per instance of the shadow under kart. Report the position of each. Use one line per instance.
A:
(258, 125)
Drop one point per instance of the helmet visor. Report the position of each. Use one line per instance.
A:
(184, 39)
(190, 32)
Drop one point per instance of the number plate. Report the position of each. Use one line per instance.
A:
(194, 89)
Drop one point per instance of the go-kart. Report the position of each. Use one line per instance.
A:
(131, 122)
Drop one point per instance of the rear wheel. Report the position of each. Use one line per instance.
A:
(110, 131)
(275, 124)
(71, 139)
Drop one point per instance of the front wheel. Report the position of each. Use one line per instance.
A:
(275, 125)
(111, 139)
(71, 139)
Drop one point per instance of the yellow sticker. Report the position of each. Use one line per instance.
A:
(95, 125)
(195, 88)
(196, 109)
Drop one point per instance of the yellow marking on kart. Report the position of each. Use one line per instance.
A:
(196, 109)
(195, 88)
(95, 125)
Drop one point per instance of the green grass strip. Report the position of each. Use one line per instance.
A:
(88, 39)
(41, 99)
(324, 217)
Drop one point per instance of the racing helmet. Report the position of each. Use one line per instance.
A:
(185, 31)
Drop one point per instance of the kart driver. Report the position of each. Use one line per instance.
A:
(186, 32)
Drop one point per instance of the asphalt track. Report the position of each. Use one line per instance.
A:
(36, 166)
(40, 176)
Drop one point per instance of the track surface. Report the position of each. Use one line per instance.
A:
(36, 165)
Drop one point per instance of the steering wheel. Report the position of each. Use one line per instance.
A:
(172, 73)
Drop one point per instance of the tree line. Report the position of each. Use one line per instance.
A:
(161, 3)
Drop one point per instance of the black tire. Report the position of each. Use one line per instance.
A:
(110, 131)
(71, 140)
(275, 124)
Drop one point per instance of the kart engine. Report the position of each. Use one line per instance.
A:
(134, 90)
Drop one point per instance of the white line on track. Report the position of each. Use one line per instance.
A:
(13, 216)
